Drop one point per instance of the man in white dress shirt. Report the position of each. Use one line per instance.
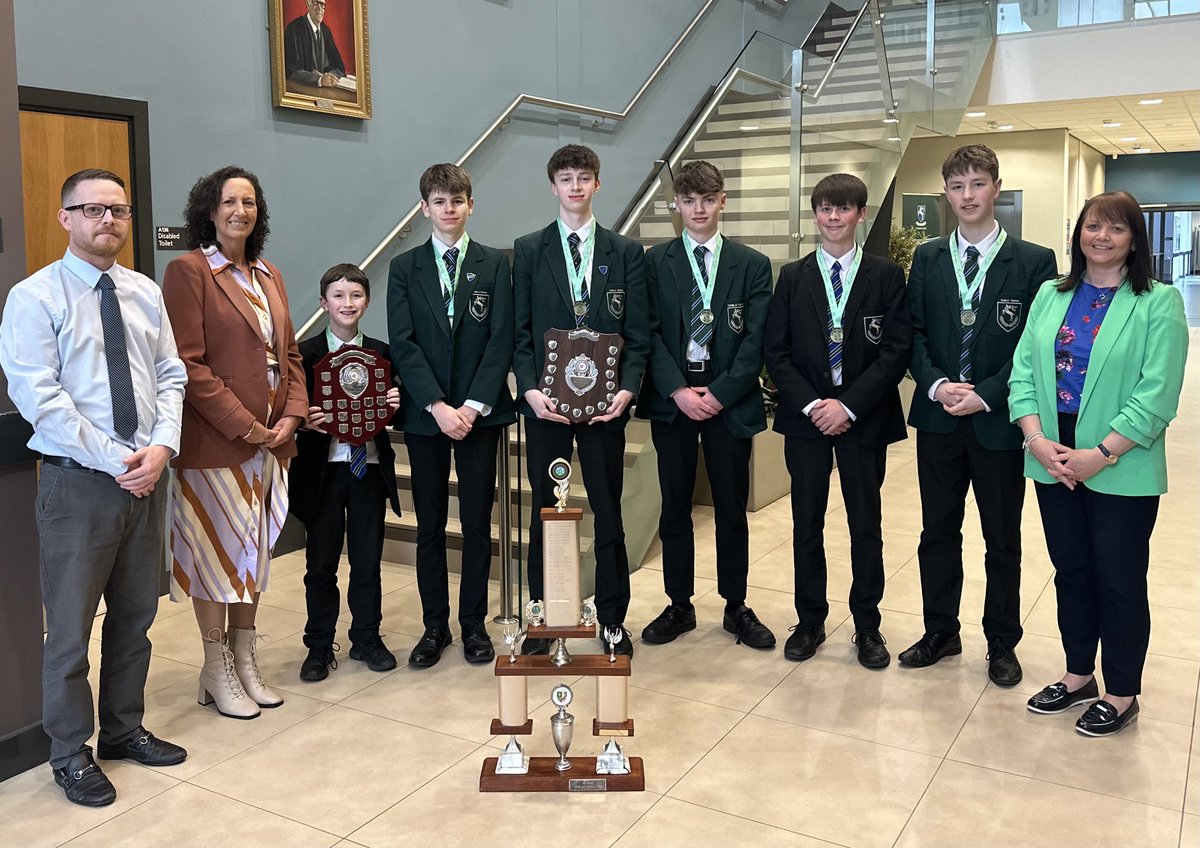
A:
(91, 364)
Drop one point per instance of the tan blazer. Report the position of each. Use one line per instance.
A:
(220, 343)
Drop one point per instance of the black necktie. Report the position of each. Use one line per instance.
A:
(120, 383)
(573, 243)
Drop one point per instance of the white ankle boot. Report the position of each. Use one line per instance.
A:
(245, 661)
(219, 682)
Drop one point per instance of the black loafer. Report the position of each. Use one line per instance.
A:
(671, 622)
(535, 647)
(744, 624)
(429, 649)
(143, 747)
(624, 648)
(318, 662)
(1056, 699)
(803, 642)
(930, 648)
(375, 654)
(872, 650)
(1101, 719)
(1003, 667)
(84, 783)
(476, 643)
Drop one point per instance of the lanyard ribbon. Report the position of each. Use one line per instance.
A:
(577, 276)
(451, 285)
(706, 291)
(967, 292)
(837, 308)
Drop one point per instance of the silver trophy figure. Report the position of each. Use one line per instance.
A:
(587, 613)
(560, 473)
(612, 759)
(535, 613)
(612, 635)
(562, 724)
(513, 637)
(513, 759)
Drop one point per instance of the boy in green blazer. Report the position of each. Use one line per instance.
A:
(708, 304)
(450, 326)
(970, 293)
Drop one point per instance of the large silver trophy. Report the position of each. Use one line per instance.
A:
(562, 724)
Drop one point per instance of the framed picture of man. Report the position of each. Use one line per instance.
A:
(319, 56)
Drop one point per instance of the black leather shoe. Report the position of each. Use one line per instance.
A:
(1101, 719)
(535, 647)
(744, 624)
(429, 650)
(671, 622)
(476, 643)
(84, 783)
(624, 648)
(930, 648)
(1003, 667)
(803, 642)
(872, 652)
(1056, 699)
(375, 654)
(318, 662)
(145, 748)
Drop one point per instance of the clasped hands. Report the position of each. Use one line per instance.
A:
(830, 417)
(1066, 465)
(959, 398)
(697, 403)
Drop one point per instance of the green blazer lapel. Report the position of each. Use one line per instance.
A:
(425, 266)
(598, 284)
(946, 261)
(811, 275)
(725, 272)
(858, 293)
(993, 287)
(466, 285)
(552, 250)
(681, 279)
(1110, 331)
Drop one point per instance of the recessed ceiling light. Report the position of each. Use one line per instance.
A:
(977, 114)
(1110, 125)
(1004, 127)
(893, 138)
(1152, 101)
(1129, 138)
(748, 127)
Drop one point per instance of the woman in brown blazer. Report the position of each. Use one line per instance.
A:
(245, 398)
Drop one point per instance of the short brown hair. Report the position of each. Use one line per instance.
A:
(86, 174)
(972, 157)
(699, 177)
(840, 190)
(447, 178)
(573, 156)
(1114, 207)
(348, 271)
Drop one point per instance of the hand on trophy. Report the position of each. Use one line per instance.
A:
(543, 408)
(393, 398)
(622, 400)
(315, 418)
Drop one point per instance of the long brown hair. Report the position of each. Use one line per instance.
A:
(1113, 207)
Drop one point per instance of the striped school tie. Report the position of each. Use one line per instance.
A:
(358, 461)
(701, 332)
(970, 270)
(577, 258)
(835, 348)
(450, 258)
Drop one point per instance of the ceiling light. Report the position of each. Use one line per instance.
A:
(1152, 101)
(1110, 125)
(1004, 127)
(1129, 138)
(893, 138)
(748, 127)
(977, 114)
(1142, 150)
(891, 119)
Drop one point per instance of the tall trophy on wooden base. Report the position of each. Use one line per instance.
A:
(561, 616)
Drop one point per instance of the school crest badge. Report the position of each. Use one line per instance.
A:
(1008, 314)
(873, 328)
(735, 313)
(480, 305)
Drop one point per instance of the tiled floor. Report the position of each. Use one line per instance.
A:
(740, 747)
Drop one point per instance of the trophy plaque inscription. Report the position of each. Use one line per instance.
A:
(350, 385)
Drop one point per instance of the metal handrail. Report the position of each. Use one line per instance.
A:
(506, 115)
(837, 55)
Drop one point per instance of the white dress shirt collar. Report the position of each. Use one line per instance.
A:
(845, 260)
(441, 247)
(983, 245)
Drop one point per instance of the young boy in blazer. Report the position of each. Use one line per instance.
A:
(575, 264)
(339, 493)
(970, 294)
(450, 326)
(837, 345)
(708, 298)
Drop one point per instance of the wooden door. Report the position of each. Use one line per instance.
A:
(54, 146)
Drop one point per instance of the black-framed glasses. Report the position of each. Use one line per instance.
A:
(120, 211)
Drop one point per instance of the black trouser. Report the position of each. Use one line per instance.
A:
(860, 470)
(350, 509)
(727, 461)
(475, 462)
(947, 463)
(602, 458)
(1100, 547)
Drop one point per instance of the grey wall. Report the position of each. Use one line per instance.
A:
(1156, 177)
(442, 70)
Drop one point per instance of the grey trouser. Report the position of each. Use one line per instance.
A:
(97, 540)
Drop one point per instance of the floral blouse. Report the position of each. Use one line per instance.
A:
(1073, 344)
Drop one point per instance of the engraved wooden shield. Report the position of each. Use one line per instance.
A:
(350, 385)
(581, 374)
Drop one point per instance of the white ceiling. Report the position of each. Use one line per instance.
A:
(1169, 127)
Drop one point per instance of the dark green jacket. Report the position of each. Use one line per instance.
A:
(433, 361)
(741, 297)
(1011, 283)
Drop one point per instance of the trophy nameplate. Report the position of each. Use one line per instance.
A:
(352, 383)
(581, 374)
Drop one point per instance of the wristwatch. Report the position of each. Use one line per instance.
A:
(1110, 458)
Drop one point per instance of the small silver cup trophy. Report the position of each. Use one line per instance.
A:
(612, 635)
(562, 724)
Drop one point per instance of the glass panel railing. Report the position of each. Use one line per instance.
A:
(906, 27)
(963, 33)
(1016, 17)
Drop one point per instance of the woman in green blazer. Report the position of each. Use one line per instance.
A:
(1095, 381)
